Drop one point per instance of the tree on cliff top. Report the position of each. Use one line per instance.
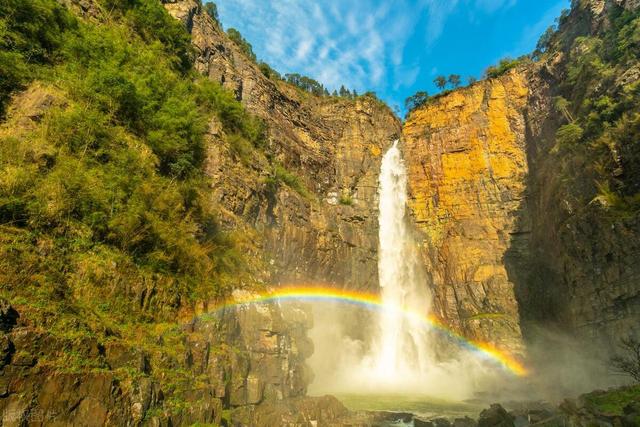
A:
(455, 80)
(416, 101)
(440, 82)
(212, 10)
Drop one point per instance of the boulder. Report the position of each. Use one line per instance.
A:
(496, 416)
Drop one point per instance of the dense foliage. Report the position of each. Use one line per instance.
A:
(103, 193)
(600, 104)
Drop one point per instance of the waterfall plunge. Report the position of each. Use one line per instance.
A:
(402, 348)
(399, 356)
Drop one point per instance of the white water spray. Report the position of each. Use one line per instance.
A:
(400, 356)
(403, 347)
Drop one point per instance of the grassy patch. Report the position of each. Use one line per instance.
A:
(291, 180)
(613, 402)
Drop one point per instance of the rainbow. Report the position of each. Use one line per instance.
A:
(371, 302)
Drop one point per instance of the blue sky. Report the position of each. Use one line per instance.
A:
(393, 48)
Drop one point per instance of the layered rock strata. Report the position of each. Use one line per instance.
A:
(467, 172)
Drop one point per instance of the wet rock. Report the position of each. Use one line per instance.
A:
(417, 422)
(495, 416)
(464, 422)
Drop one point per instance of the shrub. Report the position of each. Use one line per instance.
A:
(345, 199)
(627, 362)
(503, 66)
(240, 147)
(281, 174)
(569, 134)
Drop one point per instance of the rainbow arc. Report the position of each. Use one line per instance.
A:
(373, 302)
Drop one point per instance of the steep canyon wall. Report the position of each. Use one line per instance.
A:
(514, 237)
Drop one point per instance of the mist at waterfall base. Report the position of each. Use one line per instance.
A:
(358, 352)
(395, 354)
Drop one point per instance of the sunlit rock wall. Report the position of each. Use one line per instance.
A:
(467, 170)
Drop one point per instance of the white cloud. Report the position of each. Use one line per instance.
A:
(491, 6)
(356, 43)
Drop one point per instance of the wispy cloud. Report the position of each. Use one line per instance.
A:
(490, 6)
(358, 44)
(368, 44)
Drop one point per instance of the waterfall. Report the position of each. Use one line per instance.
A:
(399, 356)
(402, 348)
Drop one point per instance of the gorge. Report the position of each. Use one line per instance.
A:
(185, 239)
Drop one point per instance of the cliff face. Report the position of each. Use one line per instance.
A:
(467, 171)
(241, 358)
(515, 233)
(303, 206)
(333, 146)
(577, 270)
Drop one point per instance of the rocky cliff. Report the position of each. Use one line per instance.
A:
(516, 234)
(576, 270)
(467, 170)
(302, 206)
(333, 146)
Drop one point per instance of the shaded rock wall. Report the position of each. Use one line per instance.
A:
(333, 145)
(239, 359)
(578, 272)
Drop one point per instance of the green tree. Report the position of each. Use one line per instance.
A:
(243, 44)
(416, 101)
(440, 82)
(562, 106)
(454, 80)
(212, 10)
(31, 32)
(568, 135)
(471, 80)
(269, 72)
(545, 41)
